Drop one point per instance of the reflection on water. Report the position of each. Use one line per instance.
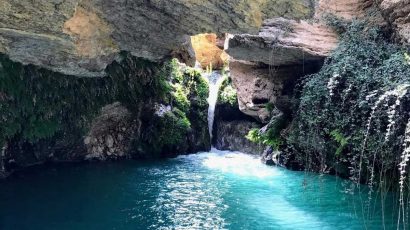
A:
(215, 190)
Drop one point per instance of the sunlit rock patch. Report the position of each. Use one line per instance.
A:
(209, 51)
(92, 34)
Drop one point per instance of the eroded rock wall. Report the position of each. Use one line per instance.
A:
(81, 37)
(285, 42)
(291, 47)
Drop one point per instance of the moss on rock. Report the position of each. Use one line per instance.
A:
(45, 116)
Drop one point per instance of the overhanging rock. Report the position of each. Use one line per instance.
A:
(80, 37)
(285, 42)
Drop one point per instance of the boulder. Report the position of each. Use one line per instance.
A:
(230, 135)
(110, 134)
(268, 157)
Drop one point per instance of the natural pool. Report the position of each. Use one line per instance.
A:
(216, 190)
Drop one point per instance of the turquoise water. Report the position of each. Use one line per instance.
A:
(218, 190)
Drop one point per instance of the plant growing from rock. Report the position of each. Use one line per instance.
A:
(227, 93)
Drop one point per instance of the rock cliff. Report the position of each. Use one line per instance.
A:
(81, 37)
(286, 49)
(75, 88)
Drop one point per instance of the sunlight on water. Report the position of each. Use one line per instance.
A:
(212, 190)
(238, 163)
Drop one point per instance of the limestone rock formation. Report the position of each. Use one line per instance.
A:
(208, 51)
(397, 12)
(347, 9)
(80, 37)
(51, 117)
(261, 88)
(292, 48)
(266, 65)
(270, 156)
(110, 134)
(284, 42)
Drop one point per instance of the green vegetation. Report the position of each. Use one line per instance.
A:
(270, 107)
(38, 105)
(268, 139)
(187, 93)
(340, 139)
(227, 93)
(169, 130)
(269, 135)
(332, 121)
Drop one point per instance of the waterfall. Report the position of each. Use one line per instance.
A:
(215, 79)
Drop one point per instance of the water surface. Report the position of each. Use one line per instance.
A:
(216, 190)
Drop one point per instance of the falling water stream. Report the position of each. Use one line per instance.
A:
(215, 79)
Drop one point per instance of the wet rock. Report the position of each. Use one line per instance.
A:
(109, 141)
(3, 172)
(230, 135)
(110, 123)
(87, 140)
(161, 109)
(268, 156)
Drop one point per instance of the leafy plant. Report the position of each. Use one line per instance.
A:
(270, 135)
(227, 93)
(407, 58)
(340, 139)
(187, 97)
